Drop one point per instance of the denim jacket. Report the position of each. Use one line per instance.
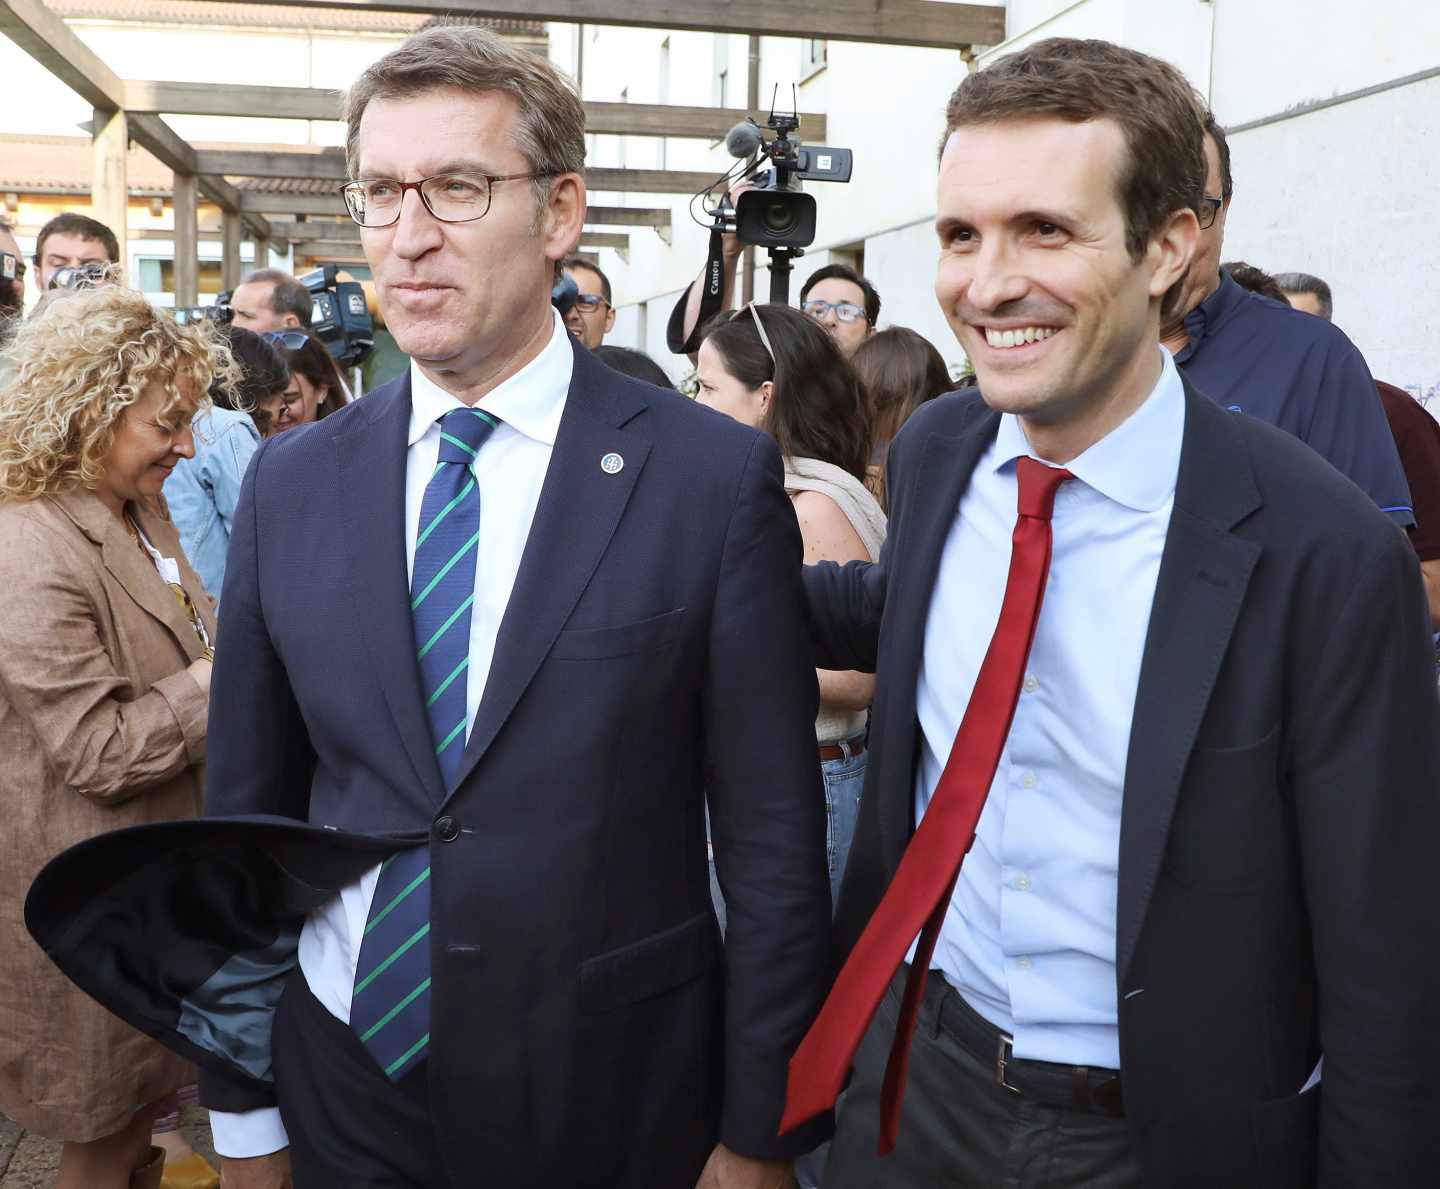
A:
(202, 491)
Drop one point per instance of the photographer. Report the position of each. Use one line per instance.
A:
(271, 299)
(74, 241)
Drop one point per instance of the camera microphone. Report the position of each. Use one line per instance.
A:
(743, 140)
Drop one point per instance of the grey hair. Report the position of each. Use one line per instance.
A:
(549, 128)
(1303, 282)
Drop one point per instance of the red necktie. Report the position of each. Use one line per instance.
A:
(920, 892)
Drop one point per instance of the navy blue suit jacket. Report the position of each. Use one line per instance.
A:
(585, 1029)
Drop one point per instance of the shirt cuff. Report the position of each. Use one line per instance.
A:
(190, 705)
(249, 1133)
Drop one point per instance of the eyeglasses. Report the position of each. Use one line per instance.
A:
(1210, 206)
(590, 302)
(291, 340)
(450, 197)
(845, 311)
(12, 268)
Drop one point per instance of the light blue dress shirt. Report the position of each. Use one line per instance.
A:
(1029, 936)
(202, 491)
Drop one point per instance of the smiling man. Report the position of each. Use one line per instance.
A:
(1123, 875)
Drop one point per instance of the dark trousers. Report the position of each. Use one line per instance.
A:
(958, 1128)
(349, 1125)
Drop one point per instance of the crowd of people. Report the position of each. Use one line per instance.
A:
(1062, 738)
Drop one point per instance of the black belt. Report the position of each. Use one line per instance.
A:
(1078, 1087)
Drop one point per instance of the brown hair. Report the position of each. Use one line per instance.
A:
(899, 371)
(1157, 110)
(549, 128)
(312, 361)
(816, 409)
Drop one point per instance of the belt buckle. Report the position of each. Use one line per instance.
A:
(1004, 1050)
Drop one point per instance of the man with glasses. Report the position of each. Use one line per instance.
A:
(844, 303)
(496, 636)
(1296, 372)
(592, 316)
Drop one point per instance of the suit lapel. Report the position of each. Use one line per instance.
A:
(931, 501)
(130, 565)
(580, 507)
(372, 480)
(1204, 573)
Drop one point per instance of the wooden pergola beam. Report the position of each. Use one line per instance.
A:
(629, 216)
(314, 103)
(45, 37)
(895, 22)
(604, 239)
(259, 202)
(649, 181)
(346, 232)
(263, 163)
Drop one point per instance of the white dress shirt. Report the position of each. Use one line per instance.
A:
(509, 472)
(1029, 936)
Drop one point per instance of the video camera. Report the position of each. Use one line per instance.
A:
(220, 312)
(777, 214)
(341, 317)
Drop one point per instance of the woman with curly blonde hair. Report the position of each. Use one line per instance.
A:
(105, 653)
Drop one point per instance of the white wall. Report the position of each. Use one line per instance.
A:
(1349, 194)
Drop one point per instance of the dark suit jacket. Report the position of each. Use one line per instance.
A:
(1280, 804)
(585, 1029)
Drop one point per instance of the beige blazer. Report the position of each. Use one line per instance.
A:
(100, 728)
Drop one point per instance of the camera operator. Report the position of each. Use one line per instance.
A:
(844, 303)
(271, 299)
(592, 316)
(74, 241)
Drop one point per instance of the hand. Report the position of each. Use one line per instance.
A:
(201, 670)
(258, 1172)
(730, 242)
(726, 1170)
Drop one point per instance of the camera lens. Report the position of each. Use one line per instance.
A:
(780, 217)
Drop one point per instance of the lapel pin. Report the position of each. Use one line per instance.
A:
(611, 464)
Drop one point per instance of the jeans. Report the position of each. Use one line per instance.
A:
(844, 778)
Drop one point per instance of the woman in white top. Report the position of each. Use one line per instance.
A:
(775, 368)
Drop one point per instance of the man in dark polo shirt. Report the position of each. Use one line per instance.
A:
(1297, 372)
(1417, 438)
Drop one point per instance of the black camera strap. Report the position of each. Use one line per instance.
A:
(710, 300)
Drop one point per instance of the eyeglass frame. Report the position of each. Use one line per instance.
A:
(490, 180)
(276, 338)
(582, 298)
(1215, 203)
(834, 307)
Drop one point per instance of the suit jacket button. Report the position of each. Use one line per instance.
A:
(447, 829)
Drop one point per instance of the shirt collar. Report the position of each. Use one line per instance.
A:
(531, 401)
(1137, 462)
(1208, 315)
